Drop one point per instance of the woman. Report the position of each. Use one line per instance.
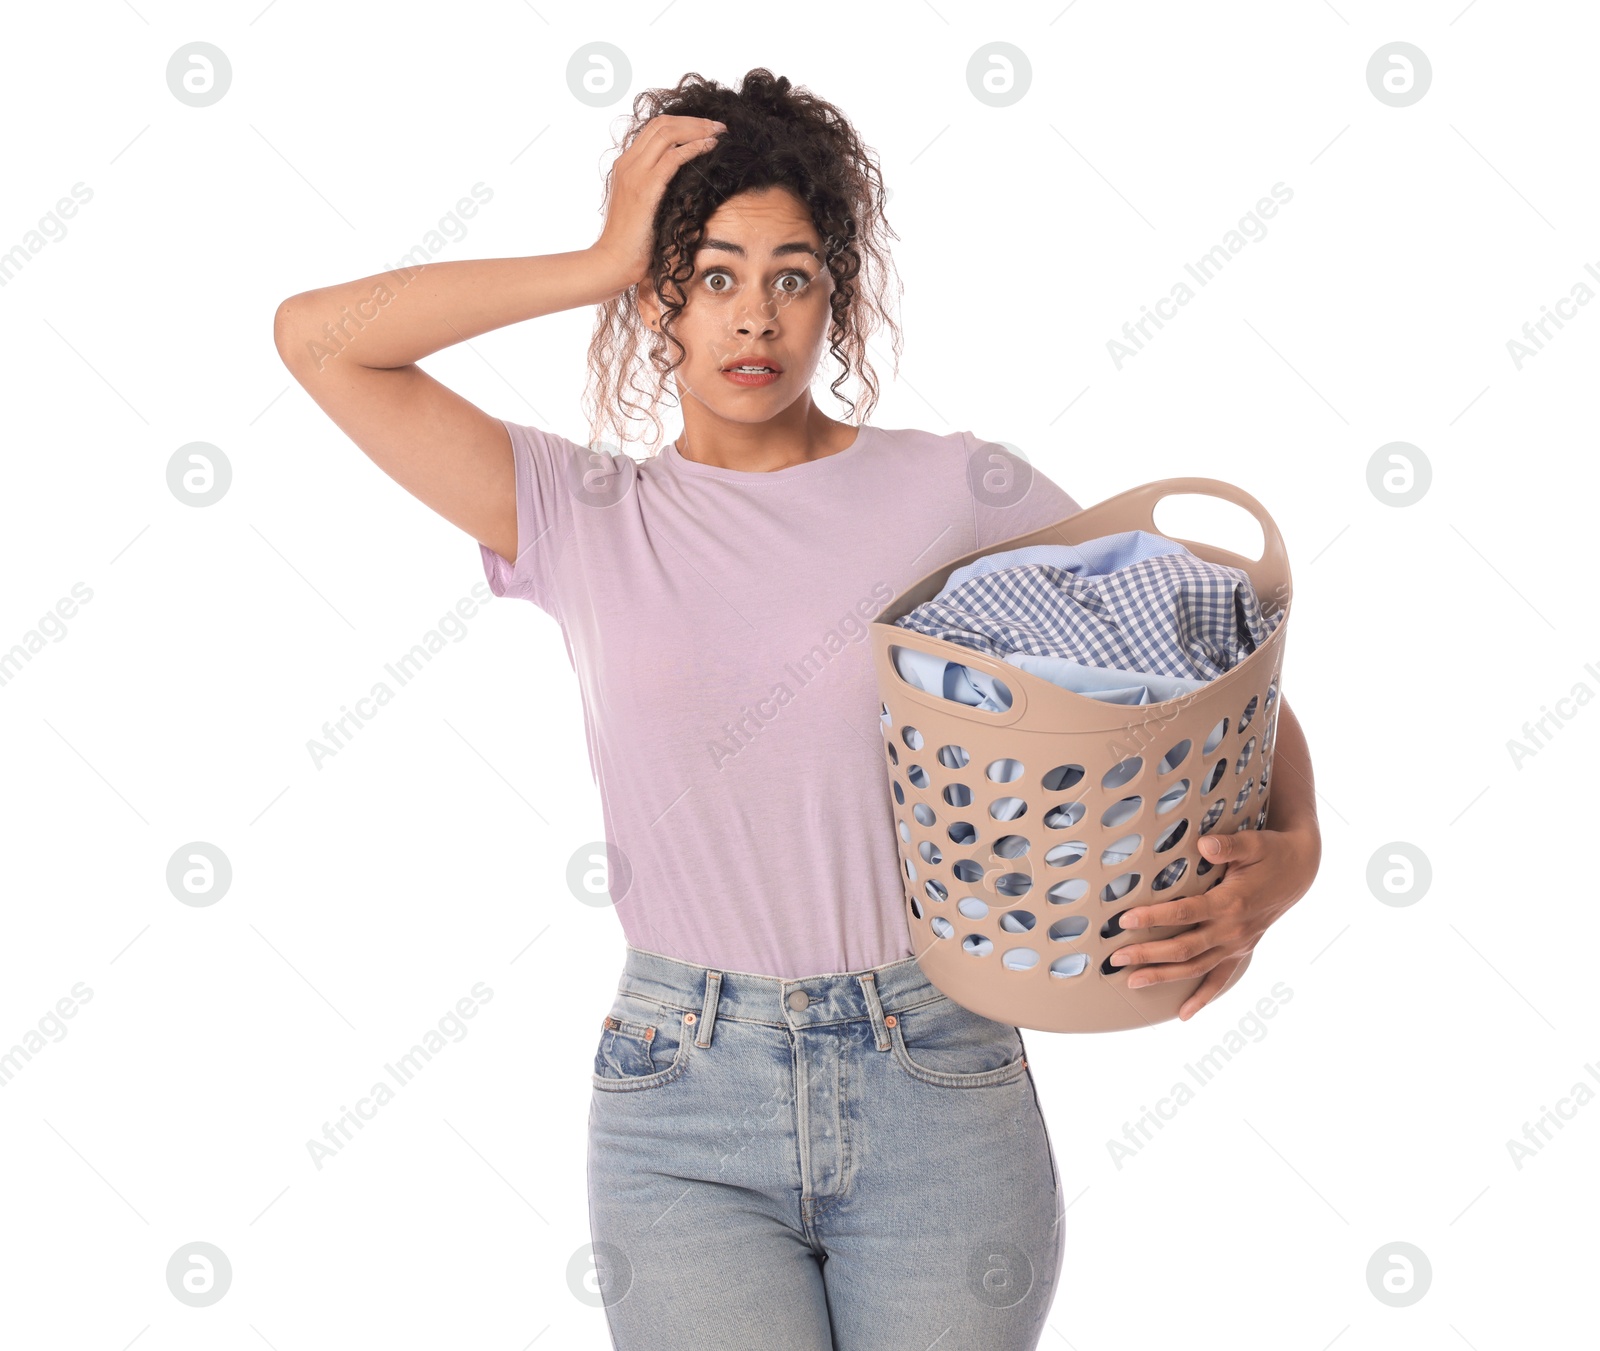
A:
(795, 1141)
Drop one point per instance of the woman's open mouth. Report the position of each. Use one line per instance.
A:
(753, 375)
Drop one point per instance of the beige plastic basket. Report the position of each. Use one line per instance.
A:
(1013, 913)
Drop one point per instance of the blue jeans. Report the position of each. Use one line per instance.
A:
(848, 1162)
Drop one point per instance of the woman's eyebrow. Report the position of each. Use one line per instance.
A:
(728, 247)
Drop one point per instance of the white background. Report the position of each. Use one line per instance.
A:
(430, 854)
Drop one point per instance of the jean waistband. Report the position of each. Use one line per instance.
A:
(805, 1001)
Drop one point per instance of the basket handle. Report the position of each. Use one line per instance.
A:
(1269, 574)
(966, 656)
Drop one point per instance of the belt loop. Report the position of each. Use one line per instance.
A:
(708, 1010)
(869, 987)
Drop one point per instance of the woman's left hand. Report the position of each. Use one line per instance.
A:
(1268, 871)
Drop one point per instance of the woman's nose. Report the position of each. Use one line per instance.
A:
(763, 316)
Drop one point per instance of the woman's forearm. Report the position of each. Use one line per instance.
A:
(1293, 802)
(392, 319)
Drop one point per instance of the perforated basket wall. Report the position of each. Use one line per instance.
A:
(1025, 834)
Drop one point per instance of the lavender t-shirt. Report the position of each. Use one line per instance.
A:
(717, 622)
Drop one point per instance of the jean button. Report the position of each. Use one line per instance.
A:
(799, 1000)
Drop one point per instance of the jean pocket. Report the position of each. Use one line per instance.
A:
(642, 1045)
(947, 1044)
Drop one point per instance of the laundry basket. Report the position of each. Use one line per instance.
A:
(1013, 910)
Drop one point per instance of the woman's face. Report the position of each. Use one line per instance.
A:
(758, 297)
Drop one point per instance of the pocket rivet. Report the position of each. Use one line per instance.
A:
(890, 1021)
(649, 1033)
(688, 1017)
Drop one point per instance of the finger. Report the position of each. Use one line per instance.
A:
(1196, 966)
(1184, 910)
(704, 124)
(1179, 948)
(695, 147)
(1242, 846)
(678, 126)
(1215, 983)
(674, 159)
(676, 131)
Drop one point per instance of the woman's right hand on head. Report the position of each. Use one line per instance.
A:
(639, 177)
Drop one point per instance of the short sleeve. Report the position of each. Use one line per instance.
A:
(538, 458)
(998, 518)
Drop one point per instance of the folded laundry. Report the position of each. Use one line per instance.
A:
(953, 680)
(1130, 618)
(1110, 684)
(1173, 614)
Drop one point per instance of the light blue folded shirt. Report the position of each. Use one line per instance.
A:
(954, 680)
(1092, 558)
(1110, 684)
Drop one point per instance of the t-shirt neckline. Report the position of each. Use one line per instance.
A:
(683, 465)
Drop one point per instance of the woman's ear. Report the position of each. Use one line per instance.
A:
(649, 306)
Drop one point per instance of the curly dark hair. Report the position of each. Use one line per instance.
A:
(779, 135)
